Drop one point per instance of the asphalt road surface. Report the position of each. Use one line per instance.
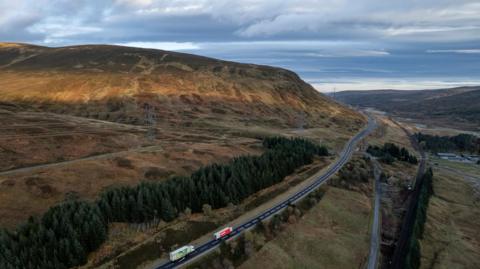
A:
(374, 239)
(214, 243)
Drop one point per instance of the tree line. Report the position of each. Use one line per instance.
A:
(62, 238)
(412, 260)
(216, 185)
(66, 233)
(389, 152)
(461, 142)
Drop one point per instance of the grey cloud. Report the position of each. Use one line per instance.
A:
(198, 20)
(461, 51)
(317, 38)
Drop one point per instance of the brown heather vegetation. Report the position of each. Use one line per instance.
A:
(109, 115)
(115, 83)
(455, 107)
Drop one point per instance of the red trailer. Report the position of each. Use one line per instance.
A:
(223, 232)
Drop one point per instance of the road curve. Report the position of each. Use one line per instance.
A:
(214, 243)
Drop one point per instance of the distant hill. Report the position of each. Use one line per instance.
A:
(118, 84)
(448, 106)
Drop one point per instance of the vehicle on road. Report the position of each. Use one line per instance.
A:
(344, 157)
(181, 253)
(223, 232)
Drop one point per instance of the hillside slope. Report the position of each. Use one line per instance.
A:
(116, 83)
(110, 115)
(450, 106)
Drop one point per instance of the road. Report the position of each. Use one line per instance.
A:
(374, 239)
(250, 223)
(34, 168)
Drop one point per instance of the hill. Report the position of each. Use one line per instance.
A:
(77, 120)
(455, 106)
(115, 83)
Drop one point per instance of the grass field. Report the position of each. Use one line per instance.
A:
(451, 238)
(472, 169)
(389, 132)
(333, 234)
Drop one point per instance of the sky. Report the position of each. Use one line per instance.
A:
(332, 44)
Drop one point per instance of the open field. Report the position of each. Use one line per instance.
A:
(93, 155)
(32, 138)
(451, 238)
(102, 155)
(432, 129)
(333, 234)
(389, 131)
(472, 169)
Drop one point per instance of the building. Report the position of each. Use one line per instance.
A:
(455, 158)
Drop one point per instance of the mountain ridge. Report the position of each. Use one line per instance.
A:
(451, 105)
(70, 77)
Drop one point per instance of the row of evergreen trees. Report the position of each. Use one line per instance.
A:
(389, 152)
(412, 260)
(461, 142)
(66, 233)
(62, 238)
(215, 185)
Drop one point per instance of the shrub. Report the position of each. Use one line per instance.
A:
(155, 173)
(124, 162)
(390, 152)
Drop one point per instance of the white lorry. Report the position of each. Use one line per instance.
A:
(181, 252)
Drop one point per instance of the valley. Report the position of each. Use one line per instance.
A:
(455, 108)
(79, 128)
(443, 220)
(149, 134)
(111, 127)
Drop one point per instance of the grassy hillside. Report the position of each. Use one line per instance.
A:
(332, 234)
(117, 84)
(454, 106)
(451, 238)
(111, 115)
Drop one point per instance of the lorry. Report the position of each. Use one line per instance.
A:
(181, 253)
(223, 232)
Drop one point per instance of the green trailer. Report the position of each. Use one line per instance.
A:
(181, 252)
